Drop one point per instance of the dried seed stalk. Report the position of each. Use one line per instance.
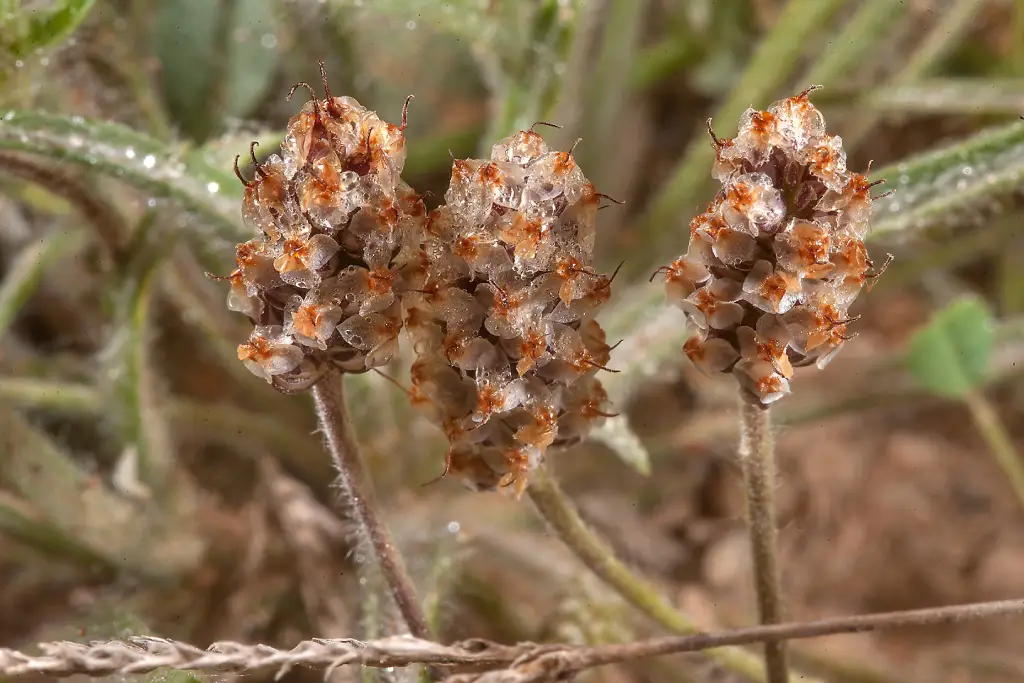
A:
(357, 493)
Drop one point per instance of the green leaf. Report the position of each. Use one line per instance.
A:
(70, 503)
(963, 96)
(950, 356)
(128, 370)
(20, 522)
(223, 424)
(212, 194)
(217, 59)
(858, 41)
(25, 273)
(22, 31)
(946, 186)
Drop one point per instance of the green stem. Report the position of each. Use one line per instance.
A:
(986, 419)
(559, 512)
(357, 494)
(757, 458)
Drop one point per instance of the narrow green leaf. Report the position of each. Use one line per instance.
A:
(944, 186)
(950, 356)
(42, 474)
(128, 368)
(28, 269)
(212, 194)
(217, 59)
(19, 521)
(935, 44)
(965, 96)
(22, 31)
(222, 424)
(871, 24)
(610, 86)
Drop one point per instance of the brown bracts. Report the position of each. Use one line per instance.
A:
(335, 229)
(502, 322)
(778, 257)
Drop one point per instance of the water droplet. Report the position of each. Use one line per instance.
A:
(362, 580)
(151, 202)
(359, 558)
(19, 64)
(453, 527)
(149, 161)
(130, 152)
(269, 41)
(212, 187)
(904, 179)
(410, 25)
(45, 61)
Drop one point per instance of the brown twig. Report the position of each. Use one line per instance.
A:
(520, 663)
(757, 458)
(357, 492)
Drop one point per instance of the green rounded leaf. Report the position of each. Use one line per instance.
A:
(950, 356)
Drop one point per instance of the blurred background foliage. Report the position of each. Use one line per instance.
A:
(148, 483)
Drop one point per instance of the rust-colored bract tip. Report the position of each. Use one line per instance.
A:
(777, 258)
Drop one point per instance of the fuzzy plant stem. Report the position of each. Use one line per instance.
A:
(357, 492)
(561, 515)
(757, 458)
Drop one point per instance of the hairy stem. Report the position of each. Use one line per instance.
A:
(757, 458)
(559, 512)
(356, 490)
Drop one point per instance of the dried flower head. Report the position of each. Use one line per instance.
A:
(502, 319)
(778, 257)
(336, 228)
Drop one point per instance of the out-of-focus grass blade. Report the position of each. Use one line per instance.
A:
(869, 26)
(37, 470)
(217, 59)
(969, 96)
(23, 31)
(768, 69)
(211, 423)
(936, 44)
(18, 520)
(28, 269)
(944, 186)
(609, 86)
(128, 370)
(136, 159)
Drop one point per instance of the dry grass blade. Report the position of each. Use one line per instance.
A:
(524, 662)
